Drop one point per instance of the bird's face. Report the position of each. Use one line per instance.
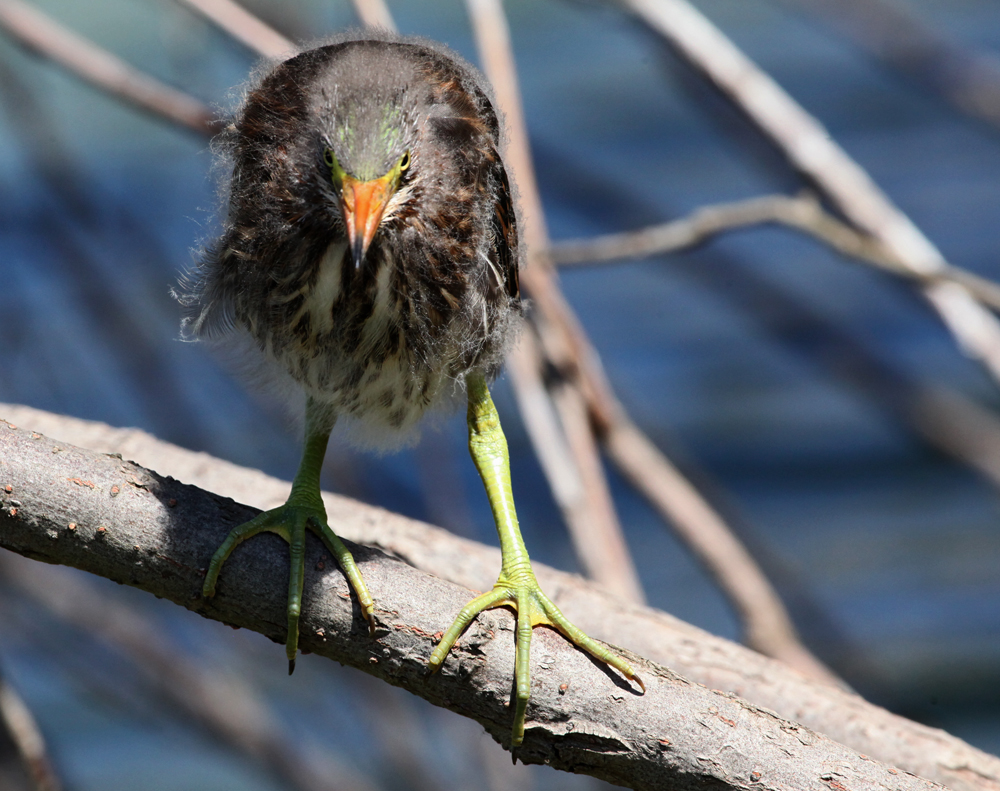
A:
(368, 154)
(363, 203)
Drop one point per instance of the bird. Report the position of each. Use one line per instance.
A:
(369, 255)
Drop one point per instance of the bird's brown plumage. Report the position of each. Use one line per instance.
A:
(437, 293)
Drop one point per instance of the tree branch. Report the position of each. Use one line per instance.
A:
(703, 224)
(63, 504)
(704, 658)
(802, 212)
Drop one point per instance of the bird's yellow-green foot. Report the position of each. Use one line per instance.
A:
(303, 511)
(516, 586)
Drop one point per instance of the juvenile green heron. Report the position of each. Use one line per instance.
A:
(370, 253)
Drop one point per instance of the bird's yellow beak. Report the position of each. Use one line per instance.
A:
(363, 203)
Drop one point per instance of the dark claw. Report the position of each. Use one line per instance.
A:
(291, 666)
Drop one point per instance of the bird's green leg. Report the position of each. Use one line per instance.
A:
(303, 510)
(516, 585)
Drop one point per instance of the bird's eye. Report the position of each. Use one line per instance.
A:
(404, 163)
(337, 173)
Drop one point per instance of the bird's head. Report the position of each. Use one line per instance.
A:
(363, 203)
(369, 149)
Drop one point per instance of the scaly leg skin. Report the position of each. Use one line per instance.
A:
(516, 585)
(304, 509)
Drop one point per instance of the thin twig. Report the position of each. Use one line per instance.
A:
(597, 533)
(602, 541)
(243, 26)
(16, 718)
(766, 623)
(802, 212)
(38, 32)
(811, 150)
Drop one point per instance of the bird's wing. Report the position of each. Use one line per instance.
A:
(504, 253)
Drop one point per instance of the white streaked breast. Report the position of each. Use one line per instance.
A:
(319, 300)
(384, 309)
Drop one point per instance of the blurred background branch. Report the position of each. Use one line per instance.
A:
(819, 159)
(35, 30)
(19, 728)
(592, 521)
(243, 26)
(221, 702)
(966, 76)
(803, 213)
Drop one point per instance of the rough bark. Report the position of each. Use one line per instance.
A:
(51, 489)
